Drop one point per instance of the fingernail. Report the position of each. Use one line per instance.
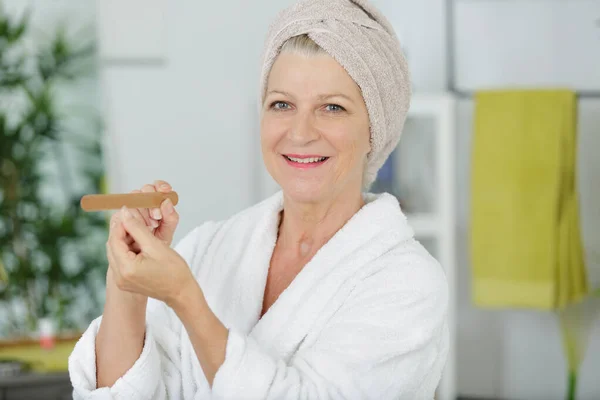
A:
(164, 186)
(113, 223)
(156, 213)
(126, 213)
(169, 206)
(154, 223)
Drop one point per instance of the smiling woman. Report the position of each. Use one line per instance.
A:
(318, 292)
(315, 125)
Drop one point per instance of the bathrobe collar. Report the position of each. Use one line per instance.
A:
(376, 228)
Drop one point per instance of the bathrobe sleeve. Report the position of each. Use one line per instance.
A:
(156, 374)
(388, 341)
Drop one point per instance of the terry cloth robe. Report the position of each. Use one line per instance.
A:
(366, 318)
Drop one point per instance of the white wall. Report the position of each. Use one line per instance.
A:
(191, 119)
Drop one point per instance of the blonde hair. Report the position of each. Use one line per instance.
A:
(303, 45)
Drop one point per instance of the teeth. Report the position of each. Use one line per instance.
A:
(307, 160)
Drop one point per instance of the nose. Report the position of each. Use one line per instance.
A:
(303, 130)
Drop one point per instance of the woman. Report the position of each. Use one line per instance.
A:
(318, 292)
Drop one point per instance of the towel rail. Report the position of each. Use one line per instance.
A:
(451, 85)
(582, 94)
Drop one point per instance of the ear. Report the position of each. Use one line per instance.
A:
(370, 147)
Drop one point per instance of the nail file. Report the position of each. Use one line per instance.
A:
(99, 202)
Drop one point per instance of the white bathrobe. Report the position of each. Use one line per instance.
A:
(366, 318)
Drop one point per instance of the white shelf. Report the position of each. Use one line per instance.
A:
(429, 104)
(424, 224)
(438, 224)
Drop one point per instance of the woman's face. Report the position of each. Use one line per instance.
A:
(314, 128)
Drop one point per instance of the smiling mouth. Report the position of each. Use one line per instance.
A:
(306, 160)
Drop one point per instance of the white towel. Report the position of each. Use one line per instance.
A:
(362, 40)
(366, 318)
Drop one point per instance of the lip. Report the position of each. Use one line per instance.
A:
(303, 156)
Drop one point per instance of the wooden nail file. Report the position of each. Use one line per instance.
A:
(98, 202)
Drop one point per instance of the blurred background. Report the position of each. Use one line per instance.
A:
(107, 95)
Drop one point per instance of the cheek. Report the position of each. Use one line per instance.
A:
(352, 144)
(270, 132)
(352, 148)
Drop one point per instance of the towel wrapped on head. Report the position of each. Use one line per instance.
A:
(364, 43)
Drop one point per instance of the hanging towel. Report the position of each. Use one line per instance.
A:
(525, 240)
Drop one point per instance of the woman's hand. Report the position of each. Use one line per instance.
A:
(150, 268)
(161, 221)
(120, 338)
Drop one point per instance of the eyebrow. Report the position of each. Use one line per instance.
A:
(320, 97)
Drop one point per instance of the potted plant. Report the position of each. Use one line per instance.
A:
(52, 261)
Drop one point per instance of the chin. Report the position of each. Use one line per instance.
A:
(304, 191)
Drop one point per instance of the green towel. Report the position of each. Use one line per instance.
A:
(525, 240)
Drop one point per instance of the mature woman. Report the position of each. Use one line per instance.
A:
(318, 292)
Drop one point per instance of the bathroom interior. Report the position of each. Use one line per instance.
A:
(497, 168)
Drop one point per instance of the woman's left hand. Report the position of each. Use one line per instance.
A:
(156, 271)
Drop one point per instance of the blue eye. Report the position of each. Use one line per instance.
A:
(280, 105)
(334, 108)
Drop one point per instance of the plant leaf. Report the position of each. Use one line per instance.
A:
(3, 274)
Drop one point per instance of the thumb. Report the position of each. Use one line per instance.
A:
(138, 231)
(168, 224)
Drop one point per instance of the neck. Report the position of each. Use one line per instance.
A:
(305, 227)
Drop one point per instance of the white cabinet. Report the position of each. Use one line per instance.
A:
(421, 174)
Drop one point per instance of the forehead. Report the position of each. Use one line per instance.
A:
(316, 74)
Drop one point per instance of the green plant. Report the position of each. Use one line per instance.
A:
(576, 322)
(51, 252)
